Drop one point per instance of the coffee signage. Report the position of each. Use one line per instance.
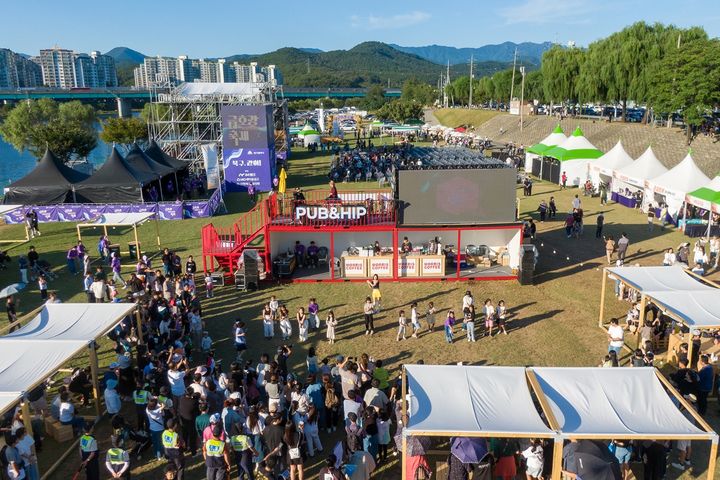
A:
(329, 213)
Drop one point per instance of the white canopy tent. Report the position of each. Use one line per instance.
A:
(489, 401)
(634, 176)
(72, 321)
(606, 403)
(706, 196)
(601, 170)
(658, 279)
(574, 155)
(556, 137)
(698, 309)
(672, 186)
(133, 220)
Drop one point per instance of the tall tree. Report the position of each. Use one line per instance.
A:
(124, 131)
(68, 129)
(400, 110)
(687, 79)
(560, 72)
(416, 90)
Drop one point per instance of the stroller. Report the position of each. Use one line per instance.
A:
(122, 432)
(42, 267)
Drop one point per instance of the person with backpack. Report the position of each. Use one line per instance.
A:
(89, 454)
(332, 405)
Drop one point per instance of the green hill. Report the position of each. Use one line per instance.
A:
(362, 65)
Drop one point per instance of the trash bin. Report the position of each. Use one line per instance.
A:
(134, 249)
(115, 247)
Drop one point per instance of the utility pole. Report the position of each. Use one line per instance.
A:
(308, 65)
(522, 94)
(472, 57)
(512, 82)
(447, 82)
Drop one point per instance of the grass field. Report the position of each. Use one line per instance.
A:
(554, 322)
(454, 117)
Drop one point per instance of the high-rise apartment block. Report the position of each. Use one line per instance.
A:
(63, 68)
(16, 71)
(157, 70)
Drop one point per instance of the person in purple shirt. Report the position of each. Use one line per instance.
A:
(72, 256)
(312, 254)
(300, 253)
(313, 309)
(116, 268)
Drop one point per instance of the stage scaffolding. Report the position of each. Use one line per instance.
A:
(184, 117)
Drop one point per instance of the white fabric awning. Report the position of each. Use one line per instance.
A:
(8, 208)
(615, 159)
(72, 321)
(647, 166)
(645, 279)
(466, 400)
(610, 403)
(25, 363)
(694, 308)
(127, 219)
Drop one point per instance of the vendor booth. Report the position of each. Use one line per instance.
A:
(628, 183)
(571, 157)
(706, 199)
(671, 187)
(533, 155)
(577, 404)
(601, 170)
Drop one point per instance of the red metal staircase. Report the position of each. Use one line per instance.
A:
(222, 246)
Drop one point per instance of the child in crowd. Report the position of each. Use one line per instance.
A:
(268, 323)
(501, 313)
(330, 323)
(414, 320)
(274, 305)
(430, 316)
(489, 311)
(402, 323)
(449, 323)
(469, 321)
(314, 318)
(209, 285)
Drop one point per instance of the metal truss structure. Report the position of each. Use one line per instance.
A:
(184, 117)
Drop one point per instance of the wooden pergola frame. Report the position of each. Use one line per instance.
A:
(94, 367)
(134, 226)
(644, 298)
(559, 437)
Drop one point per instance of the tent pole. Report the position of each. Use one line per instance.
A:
(404, 454)
(713, 458)
(137, 243)
(698, 418)
(78, 230)
(157, 230)
(641, 320)
(602, 297)
(138, 322)
(161, 194)
(95, 380)
(690, 347)
(105, 230)
(557, 458)
(74, 197)
(27, 419)
(403, 403)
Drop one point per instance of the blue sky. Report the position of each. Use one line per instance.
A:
(224, 27)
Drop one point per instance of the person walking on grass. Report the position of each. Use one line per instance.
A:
(330, 323)
(449, 324)
(552, 207)
(469, 321)
(609, 248)
(369, 311)
(302, 321)
(501, 315)
(414, 320)
(402, 324)
(116, 269)
(600, 223)
(489, 311)
(268, 324)
(650, 217)
(430, 316)
(374, 284)
(622, 246)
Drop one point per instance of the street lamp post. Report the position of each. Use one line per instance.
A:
(522, 94)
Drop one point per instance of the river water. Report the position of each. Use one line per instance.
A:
(15, 165)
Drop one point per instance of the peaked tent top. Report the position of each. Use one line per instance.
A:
(576, 147)
(142, 162)
(684, 177)
(615, 159)
(555, 138)
(116, 171)
(647, 166)
(158, 154)
(50, 171)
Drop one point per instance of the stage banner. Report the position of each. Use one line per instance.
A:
(16, 216)
(212, 168)
(248, 146)
(47, 213)
(144, 207)
(94, 210)
(118, 208)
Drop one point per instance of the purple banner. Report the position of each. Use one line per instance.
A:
(170, 211)
(71, 213)
(247, 147)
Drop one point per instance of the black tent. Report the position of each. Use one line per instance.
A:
(115, 181)
(51, 181)
(154, 151)
(137, 159)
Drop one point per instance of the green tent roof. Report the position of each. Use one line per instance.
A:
(539, 148)
(576, 147)
(706, 194)
(558, 129)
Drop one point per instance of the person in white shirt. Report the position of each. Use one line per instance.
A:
(26, 449)
(576, 202)
(467, 300)
(534, 460)
(351, 406)
(669, 257)
(616, 336)
(112, 399)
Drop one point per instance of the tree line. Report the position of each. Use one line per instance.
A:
(665, 68)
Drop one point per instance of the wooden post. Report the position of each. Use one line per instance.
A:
(690, 348)
(713, 458)
(157, 230)
(138, 326)
(602, 297)
(404, 455)
(641, 319)
(137, 244)
(557, 459)
(95, 379)
(78, 230)
(105, 230)
(403, 391)
(27, 419)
